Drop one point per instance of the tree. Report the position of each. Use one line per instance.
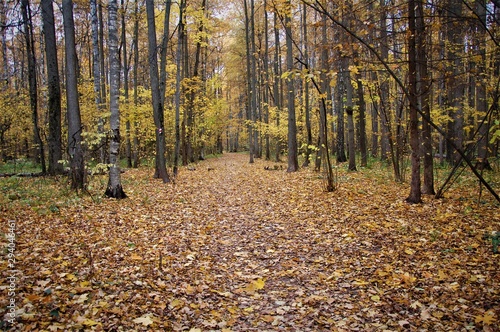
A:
(32, 81)
(307, 110)
(455, 85)
(96, 66)
(251, 74)
(75, 149)
(135, 148)
(161, 168)
(293, 163)
(114, 189)
(54, 139)
(415, 190)
(278, 84)
(163, 52)
(178, 78)
(423, 92)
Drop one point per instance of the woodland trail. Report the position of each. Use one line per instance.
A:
(234, 247)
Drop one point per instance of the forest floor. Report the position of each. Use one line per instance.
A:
(234, 247)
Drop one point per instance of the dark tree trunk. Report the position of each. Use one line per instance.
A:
(75, 149)
(455, 85)
(341, 88)
(424, 104)
(96, 64)
(163, 51)
(178, 86)
(32, 82)
(158, 112)
(277, 83)
(53, 90)
(307, 109)
(266, 81)
(128, 142)
(251, 88)
(135, 146)
(293, 163)
(350, 122)
(415, 191)
(362, 122)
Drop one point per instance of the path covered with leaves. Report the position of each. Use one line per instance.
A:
(234, 247)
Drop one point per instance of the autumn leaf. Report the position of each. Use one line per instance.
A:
(248, 248)
(487, 318)
(144, 320)
(89, 322)
(136, 257)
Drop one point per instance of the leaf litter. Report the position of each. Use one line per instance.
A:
(232, 246)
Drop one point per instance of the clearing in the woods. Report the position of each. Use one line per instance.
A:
(232, 246)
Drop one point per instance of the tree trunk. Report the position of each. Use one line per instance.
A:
(341, 88)
(481, 88)
(53, 89)
(424, 102)
(307, 110)
(5, 77)
(114, 189)
(277, 82)
(323, 106)
(455, 85)
(362, 122)
(163, 51)
(293, 163)
(32, 82)
(75, 149)
(178, 86)
(158, 112)
(135, 146)
(250, 81)
(266, 81)
(98, 93)
(415, 193)
(102, 60)
(350, 121)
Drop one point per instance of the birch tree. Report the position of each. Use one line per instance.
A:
(114, 189)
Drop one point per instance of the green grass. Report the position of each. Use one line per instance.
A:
(19, 166)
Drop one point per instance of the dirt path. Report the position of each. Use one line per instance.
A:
(234, 247)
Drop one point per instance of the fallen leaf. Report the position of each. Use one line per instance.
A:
(144, 320)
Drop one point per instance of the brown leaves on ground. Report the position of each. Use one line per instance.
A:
(234, 247)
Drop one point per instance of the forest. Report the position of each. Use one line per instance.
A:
(216, 165)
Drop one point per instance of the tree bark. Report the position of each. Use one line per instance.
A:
(423, 97)
(163, 51)
(350, 122)
(32, 82)
(158, 112)
(341, 88)
(277, 82)
(135, 146)
(307, 110)
(293, 163)
(454, 82)
(54, 139)
(415, 190)
(114, 189)
(362, 122)
(75, 149)
(178, 85)
(266, 88)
